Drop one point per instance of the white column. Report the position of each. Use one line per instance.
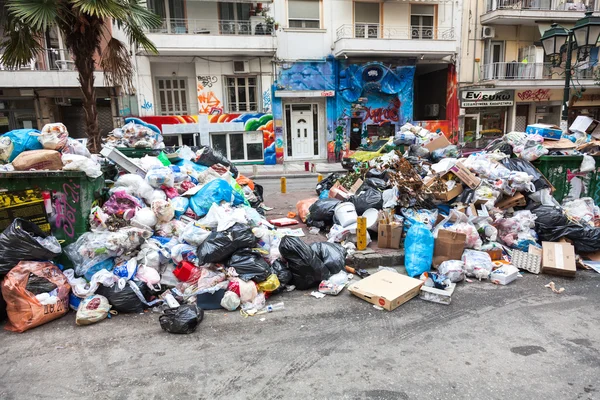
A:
(145, 87)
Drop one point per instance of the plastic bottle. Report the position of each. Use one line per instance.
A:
(272, 307)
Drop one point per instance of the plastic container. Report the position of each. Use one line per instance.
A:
(185, 270)
(372, 215)
(272, 307)
(345, 214)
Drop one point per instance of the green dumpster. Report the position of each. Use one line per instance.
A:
(133, 152)
(563, 173)
(73, 194)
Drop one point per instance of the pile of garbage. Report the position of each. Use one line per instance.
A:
(182, 237)
(134, 135)
(51, 149)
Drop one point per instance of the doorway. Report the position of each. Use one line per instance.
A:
(493, 59)
(366, 20)
(471, 129)
(522, 117)
(302, 131)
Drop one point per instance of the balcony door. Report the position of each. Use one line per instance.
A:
(493, 61)
(235, 18)
(366, 20)
(422, 21)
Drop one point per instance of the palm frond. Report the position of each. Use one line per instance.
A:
(142, 16)
(116, 64)
(138, 37)
(38, 14)
(20, 44)
(117, 10)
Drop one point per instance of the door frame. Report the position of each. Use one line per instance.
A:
(322, 124)
(308, 125)
(477, 117)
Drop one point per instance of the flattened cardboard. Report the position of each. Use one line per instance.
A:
(438, 143)
(449, 245)
(386, 289)
(518, 200)
(466, 176)
(558, 259)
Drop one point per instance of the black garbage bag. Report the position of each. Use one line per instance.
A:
(369, 198)
(39, 284)
(126, 300)
(519, 164)
(501, 146)
(320, 213)
(378, 173)
(283, 272)
(328, 182)
(183, 319)
(307, 269)
(209, 157)
(333, 255)
(219, 246)
(258, 192)
(17, 243)
(376, 183)
(552, 224)
(249, 265)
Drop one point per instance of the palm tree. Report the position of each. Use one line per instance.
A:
(82, 24)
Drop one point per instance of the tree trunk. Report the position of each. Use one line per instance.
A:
(86, 78)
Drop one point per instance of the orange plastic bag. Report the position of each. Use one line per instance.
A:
(24, 310)
(303, 205)
(242, 180)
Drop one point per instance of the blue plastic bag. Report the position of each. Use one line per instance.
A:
(21, 141)
(215, 191)
(418, 249)
(180, 204)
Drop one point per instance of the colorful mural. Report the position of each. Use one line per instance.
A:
(308, 75)
(249, 122)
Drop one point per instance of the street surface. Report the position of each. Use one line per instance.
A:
(493, 342)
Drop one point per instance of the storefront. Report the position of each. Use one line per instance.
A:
(587, 104)
(485, 115)
(537, 106)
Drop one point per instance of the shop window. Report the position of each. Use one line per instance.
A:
(172, 96)
(239, 146)
(304, 14)
(242, 92)
(421, 21)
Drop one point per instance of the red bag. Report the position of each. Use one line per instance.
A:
(23, 308)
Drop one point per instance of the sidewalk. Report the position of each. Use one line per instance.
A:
(289, 170)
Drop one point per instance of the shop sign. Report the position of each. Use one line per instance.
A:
(487, 98)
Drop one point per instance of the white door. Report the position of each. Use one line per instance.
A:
(302, 133)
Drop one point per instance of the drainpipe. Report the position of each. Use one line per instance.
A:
(475, 39)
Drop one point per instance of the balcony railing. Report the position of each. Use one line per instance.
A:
(377, 31)
(47, 60)
(542, 5)
(178, 26)
(531, 71)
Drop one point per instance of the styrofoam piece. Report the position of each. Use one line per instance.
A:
(122, 161)
(504, 275)
(440, 296)
(526, 261)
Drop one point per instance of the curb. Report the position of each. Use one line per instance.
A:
(291, 176)
(370, 259)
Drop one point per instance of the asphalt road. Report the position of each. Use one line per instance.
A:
(516, 342)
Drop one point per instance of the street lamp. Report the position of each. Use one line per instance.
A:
(585, 34)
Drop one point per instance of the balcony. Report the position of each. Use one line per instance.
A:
(416, 41)
(51, 68)
(214, 37)
(530, 12)
(520, 75)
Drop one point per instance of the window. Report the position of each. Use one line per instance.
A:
(242, 94)
(421, 21)
(304, 14)
(172, 96)
(235, 18)
(239, 146)
(366, 20)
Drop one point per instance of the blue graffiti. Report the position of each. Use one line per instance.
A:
(146, 105)
(310, 75)
(267, 100)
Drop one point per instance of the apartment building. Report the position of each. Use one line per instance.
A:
(298, 80)
(506, 81)
(47, 90)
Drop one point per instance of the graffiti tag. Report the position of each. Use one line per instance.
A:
(379, 115)
(207, 80)
(65, 213)
(534, 95)
(146, 105)
(208, 102)
(267, 100)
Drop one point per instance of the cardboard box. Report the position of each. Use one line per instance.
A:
(504, 275)
(466, 176)
(440, 296)
(339, 192)
(550, 132)
(447, 195)
(518, 200)
(386, 289)
(438, 143)
(390, 235)
(558, 259)
(585, 125)
(449, 245)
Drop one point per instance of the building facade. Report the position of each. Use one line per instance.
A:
(298, 79)
(506, 81)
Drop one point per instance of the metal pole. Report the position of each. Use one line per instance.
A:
(567, 90)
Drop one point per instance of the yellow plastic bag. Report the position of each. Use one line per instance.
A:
(270, 285)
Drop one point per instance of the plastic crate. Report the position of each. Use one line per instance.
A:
(561, 172)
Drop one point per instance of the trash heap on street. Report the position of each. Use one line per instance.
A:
(184, 232)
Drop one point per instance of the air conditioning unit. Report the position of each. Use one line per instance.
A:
(62, 101)
(432, 110)
(488, 32)
(241, 67)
